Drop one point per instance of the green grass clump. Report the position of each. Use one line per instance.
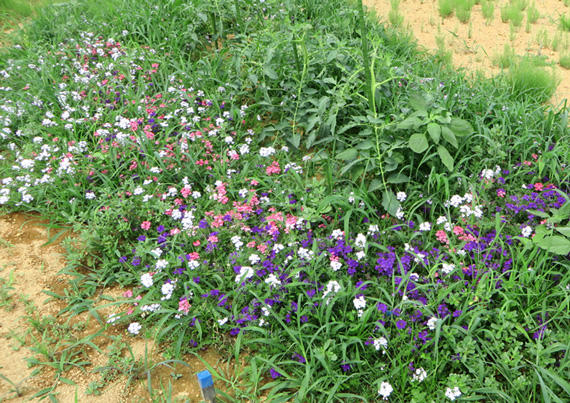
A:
(531, 79)
(445, 7)
(513, 13)
(505, 59)
(394, 16)
(463, 10)
(565, 22)
(532, 14)
(488, 10)
(565, 61)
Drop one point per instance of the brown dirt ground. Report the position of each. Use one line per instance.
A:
(476, 43)
(27, 268)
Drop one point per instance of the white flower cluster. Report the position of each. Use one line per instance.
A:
(452, 394)
(359, 304)
(381, 343)
(385, 390)
(419, 375)
(244, 273)
(332, 288)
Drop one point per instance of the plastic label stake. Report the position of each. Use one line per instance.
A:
(207, 386)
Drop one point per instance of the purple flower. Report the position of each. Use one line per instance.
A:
(274, 374)
(401, 324)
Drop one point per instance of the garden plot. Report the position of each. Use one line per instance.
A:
(488, 36)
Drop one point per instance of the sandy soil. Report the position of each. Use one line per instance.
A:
(476, 43)
(28, 267)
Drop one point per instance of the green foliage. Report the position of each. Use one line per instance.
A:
(445, 7)
(506, 59)
(565, 61)
(532, 14)
(488, 10)
(529, 79)
(554, 235)
(463, 10)
(565, 22)
(394, 16)
(512, 12)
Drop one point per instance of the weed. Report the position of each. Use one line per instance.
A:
(532, 80)
(446, 7)
(488, 10)
(513, 13)
(463, 10)
(565, 22)
(394, 16)
(532, 14)
(564, 61)
(505, 59)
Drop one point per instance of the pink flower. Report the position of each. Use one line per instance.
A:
(501, 192)
(442, 237)
(184, 306)
(213, 239)
(145, 225)
(538, 186)
(194, 256)
(457, 230)
(273, 168)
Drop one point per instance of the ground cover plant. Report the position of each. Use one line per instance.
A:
(302, 188)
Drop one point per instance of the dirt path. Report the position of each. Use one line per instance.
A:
(30, 328)
(476, 43)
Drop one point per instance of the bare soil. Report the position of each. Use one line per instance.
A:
(476, 43)
(31, 259)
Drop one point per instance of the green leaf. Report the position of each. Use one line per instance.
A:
(449, 136)
(564, 231)
(398, 178)
(434, 131)
(375, 184)
(538, 213)
(418, 142)
(269, 72)
(419, 103)
(556, 244)
(412, 122)
(445, 157)
(460, 127)
(347, 155)
(295, 140)
(390, 203)
(365, 145)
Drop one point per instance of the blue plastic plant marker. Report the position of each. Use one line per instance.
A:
(207, 386)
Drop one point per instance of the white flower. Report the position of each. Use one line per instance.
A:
(447, 268)
(335, 265)
(401, 196)
(359, 302)
(419, 375)
(456, 200)
(90, 195)
(332, 287)
(245, 273)
(425, 226)
(253, 258)
(400, 213)
(452, 394)
(272, 280)
(441, 220)
(360, 254)
(385, 390)
(113, 318)
(381, 343)
(161, 264)
(360, 241)
(431, 323)
(223, 321)
(487, 174)
(526, 231)
(266, 151)
(337, 234)
(166, 290)
(134, 328)
(146, 280)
